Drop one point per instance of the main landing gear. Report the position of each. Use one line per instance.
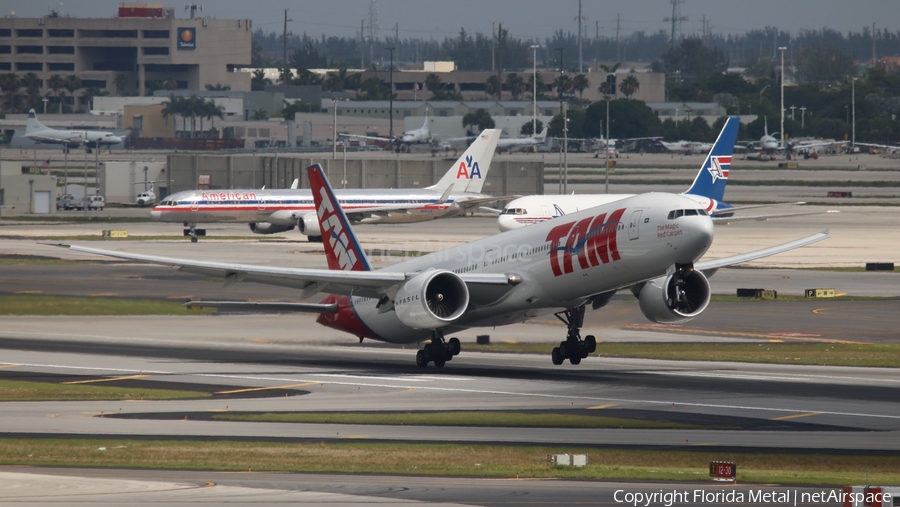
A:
(438, 351)
(191, 231)
(573, 348)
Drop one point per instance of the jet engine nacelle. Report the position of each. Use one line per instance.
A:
(267, 228)
(309, 225)
(431, 300)
(675, 298)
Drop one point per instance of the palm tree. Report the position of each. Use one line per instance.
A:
(214, 111)
(87, 96)
(580, 82)
(259, 80)
(55, 83)
(604, 86)
(536, 82)
(307, 77)
(71, 83)
(121, 83)
(169, 83)
(629, 86)
(9, 84)
(218, 87)
(562, 83)
(260, 114)
(515, 84)
(433, 84)
(493, 86)
(170, 108)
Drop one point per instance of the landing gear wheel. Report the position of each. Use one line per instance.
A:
(454, 346)
(590, 344)
(421, 362)
(573, 347)
(193, 239)
(428, 352)
(557, 356)
(439, 363)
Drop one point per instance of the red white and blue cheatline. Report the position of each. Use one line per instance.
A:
(718, 167)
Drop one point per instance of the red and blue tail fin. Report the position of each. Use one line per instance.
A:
(342, 249)
(713, 176)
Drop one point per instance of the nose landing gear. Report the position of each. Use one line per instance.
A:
(573, 347)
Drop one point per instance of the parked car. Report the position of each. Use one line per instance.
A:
(65, 202)
(93, 202)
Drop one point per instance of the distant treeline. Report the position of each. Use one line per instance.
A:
(476, 51)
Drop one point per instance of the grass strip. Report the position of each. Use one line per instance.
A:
(30, 304)
(18, 390)
(99, 237)
(442, 459)
(471, 418)
(825, 354)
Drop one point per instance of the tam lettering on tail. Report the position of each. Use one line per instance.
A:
(467, 174)
(342, 249)
(713, 176)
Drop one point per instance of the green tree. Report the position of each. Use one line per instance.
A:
(629, 86)
(9, 85)
(536, 81)
(306, 77)
(515, 84)
(259, 80)
(218, 87)
(526, 129)
(374, 89)
(627, 117)
(693, 60)
(290, 111)
(580, 83)
(121, 83)
(433, 84)
(72, 83)
(823, 65)
(493, 86)
(480, 118)
(259, 114)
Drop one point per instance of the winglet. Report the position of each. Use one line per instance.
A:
(467, 174)
(710, 181)
(342, 249)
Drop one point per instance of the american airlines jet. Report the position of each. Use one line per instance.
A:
(40, 133)
(649, 244)
(707, 190)
(276, 211)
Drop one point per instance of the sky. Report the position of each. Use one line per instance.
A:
(526, 19)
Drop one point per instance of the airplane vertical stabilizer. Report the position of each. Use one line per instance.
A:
(32, 125)
(467, 174)
(342, 249)
(713, 176)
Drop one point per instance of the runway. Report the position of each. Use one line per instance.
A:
(294, 365)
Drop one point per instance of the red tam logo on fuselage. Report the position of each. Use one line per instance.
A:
(592, 240)
(339, 251)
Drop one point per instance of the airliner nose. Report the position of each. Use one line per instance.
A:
(155, 214)
(701, 232)
(506, 223)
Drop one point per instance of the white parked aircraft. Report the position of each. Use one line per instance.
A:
(649, 244)
(707, 190)
(40, 133)
(275, 211)
(513, 143)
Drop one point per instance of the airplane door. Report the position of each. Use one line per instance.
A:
(634, 225)
(195, 202)
(545, 211)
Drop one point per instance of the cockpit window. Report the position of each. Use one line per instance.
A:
(678, 213)
(515, 211)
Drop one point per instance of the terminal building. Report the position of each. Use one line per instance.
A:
(143, 48)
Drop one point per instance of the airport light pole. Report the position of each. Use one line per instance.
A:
(559, 91)
(803, 119)
(391, 96)
(792, 111)
(534, 48)
(334, 129)
(853, 101)
(781, 139)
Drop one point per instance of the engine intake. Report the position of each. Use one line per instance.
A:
(675, 298)
(309, 225)
(267, 228)
(431, 300)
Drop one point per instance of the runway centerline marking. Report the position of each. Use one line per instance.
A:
(795, 416)
(598, 407)
(108, 379)
(252, 389)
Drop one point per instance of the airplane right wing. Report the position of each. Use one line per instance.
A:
(710, 267)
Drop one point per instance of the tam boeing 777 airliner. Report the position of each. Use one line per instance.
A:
(649, 244)
(276, 211)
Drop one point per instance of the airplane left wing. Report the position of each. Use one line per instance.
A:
(373, 284)
(767, 217)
